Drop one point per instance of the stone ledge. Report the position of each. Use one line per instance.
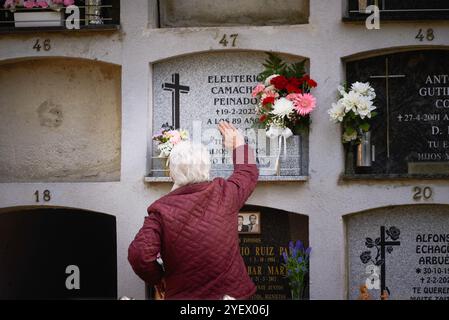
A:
(360, 19)
(150, 179)
(380, 177)
(90, 28)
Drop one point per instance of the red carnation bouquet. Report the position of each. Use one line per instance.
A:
(285, 101)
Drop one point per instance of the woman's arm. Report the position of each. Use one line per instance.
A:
(243, 181)
(143, 251)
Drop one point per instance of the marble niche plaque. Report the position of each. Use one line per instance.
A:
(195, 92)
(262, 248)
(403, 250)
(411, 133)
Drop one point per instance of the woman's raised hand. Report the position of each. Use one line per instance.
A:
(232, 138)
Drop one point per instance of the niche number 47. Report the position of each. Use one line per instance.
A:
(231, 40)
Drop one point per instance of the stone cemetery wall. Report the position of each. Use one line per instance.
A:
(77, 118)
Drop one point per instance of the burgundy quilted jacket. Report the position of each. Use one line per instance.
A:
(194, 228)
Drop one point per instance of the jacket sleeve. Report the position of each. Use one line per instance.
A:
(243, 181)
(143, 250)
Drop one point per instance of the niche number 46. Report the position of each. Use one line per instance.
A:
(46, 45)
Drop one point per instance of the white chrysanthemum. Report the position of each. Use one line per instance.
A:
(337, 112)
(267, 80)
(365, 107)
(350, 100)
(282, 107)
(364, 89)
(341, 90)
(349, 137)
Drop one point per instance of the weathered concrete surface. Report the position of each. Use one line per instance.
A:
(59, 121)
(200, 13)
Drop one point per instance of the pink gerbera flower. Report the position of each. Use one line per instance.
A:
(42, 4)
(30, 4)
(258, 89)
(303, 103)
(175, 137)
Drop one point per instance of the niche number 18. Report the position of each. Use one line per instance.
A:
(45, 196)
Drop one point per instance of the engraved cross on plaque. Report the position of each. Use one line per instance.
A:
(387, 76)
(176, 89)
(383, 244)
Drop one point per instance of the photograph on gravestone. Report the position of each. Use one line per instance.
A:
(211, 13)
(249, 222)
(195, 92)
(399, 253)
(410, 134)
(57, 253)
(263, 252)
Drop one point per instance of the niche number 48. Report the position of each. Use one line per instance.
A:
(428, 34)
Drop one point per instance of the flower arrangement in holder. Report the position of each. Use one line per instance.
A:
(284, 100)
(297, 264)
(284, 96)
(167, 137)
(353, 110)
(43, 4)
(38, 13)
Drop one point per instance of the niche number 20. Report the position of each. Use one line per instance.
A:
(422, 193)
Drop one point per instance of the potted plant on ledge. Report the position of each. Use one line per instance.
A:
(166, 138)
(296, 262)
(38, 13)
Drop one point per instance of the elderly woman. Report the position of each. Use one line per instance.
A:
(194, 227)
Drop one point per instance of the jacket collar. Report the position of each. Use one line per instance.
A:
(190, 188)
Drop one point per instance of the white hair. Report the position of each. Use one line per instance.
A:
(189, 163)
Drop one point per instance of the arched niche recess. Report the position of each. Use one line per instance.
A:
(57, 253)
(60, 120)
(196, 91)
(400, 250)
